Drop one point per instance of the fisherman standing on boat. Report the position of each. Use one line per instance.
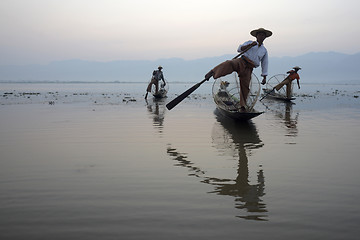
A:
(288, 81)
(254, 54)
(157, 76)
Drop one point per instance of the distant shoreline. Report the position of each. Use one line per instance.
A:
(130, 82)
(316, 67)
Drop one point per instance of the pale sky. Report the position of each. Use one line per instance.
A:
(41, 31)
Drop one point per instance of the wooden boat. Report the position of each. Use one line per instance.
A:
(237, 115)
(160, 94)
(274, 95)
(163, 90)
(226, 95)
(277, 95)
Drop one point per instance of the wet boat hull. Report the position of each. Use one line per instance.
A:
(281, 98)
(277, 96)
(161, 94)
(237, 115)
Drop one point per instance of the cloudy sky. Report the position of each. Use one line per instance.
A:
(41, 31)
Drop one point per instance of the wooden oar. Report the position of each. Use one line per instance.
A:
(182, 96)
(267, 94)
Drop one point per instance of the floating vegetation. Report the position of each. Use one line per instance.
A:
(129, 99)
(29, 93)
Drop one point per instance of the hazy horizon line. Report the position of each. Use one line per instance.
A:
(141, 82)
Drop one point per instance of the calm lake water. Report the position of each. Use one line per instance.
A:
(97, 161)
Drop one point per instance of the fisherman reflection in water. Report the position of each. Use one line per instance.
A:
(156, 109)
(247, 196)
(285, 113)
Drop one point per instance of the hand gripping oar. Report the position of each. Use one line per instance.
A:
(182, 96)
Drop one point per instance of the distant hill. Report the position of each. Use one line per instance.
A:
(329, 67)
(319, 67)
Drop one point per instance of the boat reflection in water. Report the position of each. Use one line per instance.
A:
(238, 140)
(156, 108)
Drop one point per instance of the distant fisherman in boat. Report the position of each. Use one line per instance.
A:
(288, 81)
(157, 76)
(254, 54)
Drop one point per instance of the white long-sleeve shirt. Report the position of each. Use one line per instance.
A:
(257, 54)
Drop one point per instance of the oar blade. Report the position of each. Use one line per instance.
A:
(182, 96)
